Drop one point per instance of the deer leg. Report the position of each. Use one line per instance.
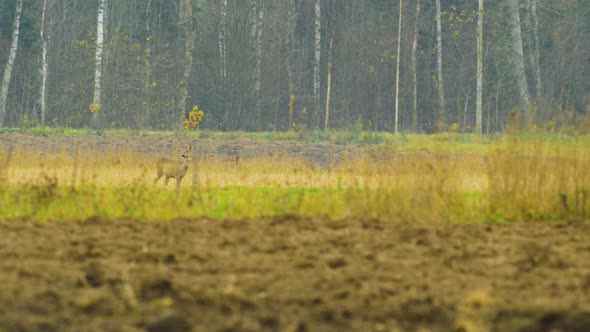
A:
(166, 182)
(158, 175)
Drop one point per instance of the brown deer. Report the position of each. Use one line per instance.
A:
(174, 168)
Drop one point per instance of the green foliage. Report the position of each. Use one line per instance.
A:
(461, 22)
(28, 122)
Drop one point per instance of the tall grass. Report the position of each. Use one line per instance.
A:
(540, 178)
(510, 178)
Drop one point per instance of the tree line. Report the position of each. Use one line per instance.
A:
(391, 65)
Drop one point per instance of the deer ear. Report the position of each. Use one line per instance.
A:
(190, 147)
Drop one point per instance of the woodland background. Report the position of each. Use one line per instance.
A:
(256, 65)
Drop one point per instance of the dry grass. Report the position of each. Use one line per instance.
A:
(403, 171)
(516, 179)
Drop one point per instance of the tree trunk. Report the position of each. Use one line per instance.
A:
(10, 62)
(100, 30)
(317, 59)
(518, 59)
(43, 92)
(439, 66)
(258, 80)
(143, 117)
(291, 13)
(222, 45)
(329, 82)
(414, 70)
(535, 50)
(399, 40)
(186, 16)
(479, 100)
(222, 38)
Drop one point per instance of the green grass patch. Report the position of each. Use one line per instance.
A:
(153, 203)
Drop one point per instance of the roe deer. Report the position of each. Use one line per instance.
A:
(174, 168)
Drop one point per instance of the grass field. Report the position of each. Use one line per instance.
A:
(415, 177)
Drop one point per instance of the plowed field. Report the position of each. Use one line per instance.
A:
(293, 274)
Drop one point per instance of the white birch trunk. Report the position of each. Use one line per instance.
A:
(536, 65)
(397, 60)
(479, 98)
(414, 70)
(258, 82)
(222, 36)
(148, 68)
(100, 30)
(291, 19)
(11, 59)
(439, 65)
(42, 94)
(518, 58)
(222, 49)
(290, 32)
(186, 17)
(317, 57)
(329, 82)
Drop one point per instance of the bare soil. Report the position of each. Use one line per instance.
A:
(288, 273)
(293, 274)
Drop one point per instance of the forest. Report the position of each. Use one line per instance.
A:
(263, 65)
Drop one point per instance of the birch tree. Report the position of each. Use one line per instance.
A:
(414, 69)
(222, 38)
(518, 58)
(11, 58)
(317, 56)
(259, 12)
(399, 39)
(186, 19)
(479, 98)
(439, 65)
(534, 19)
(329, 81)
(221, 85)
(44, 71)
(98, 63)
(331, 26)
(148, 64)
(291, 18)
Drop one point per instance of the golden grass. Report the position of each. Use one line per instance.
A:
(506, 179)
(404, 171)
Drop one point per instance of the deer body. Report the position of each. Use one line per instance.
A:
(173, 168)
